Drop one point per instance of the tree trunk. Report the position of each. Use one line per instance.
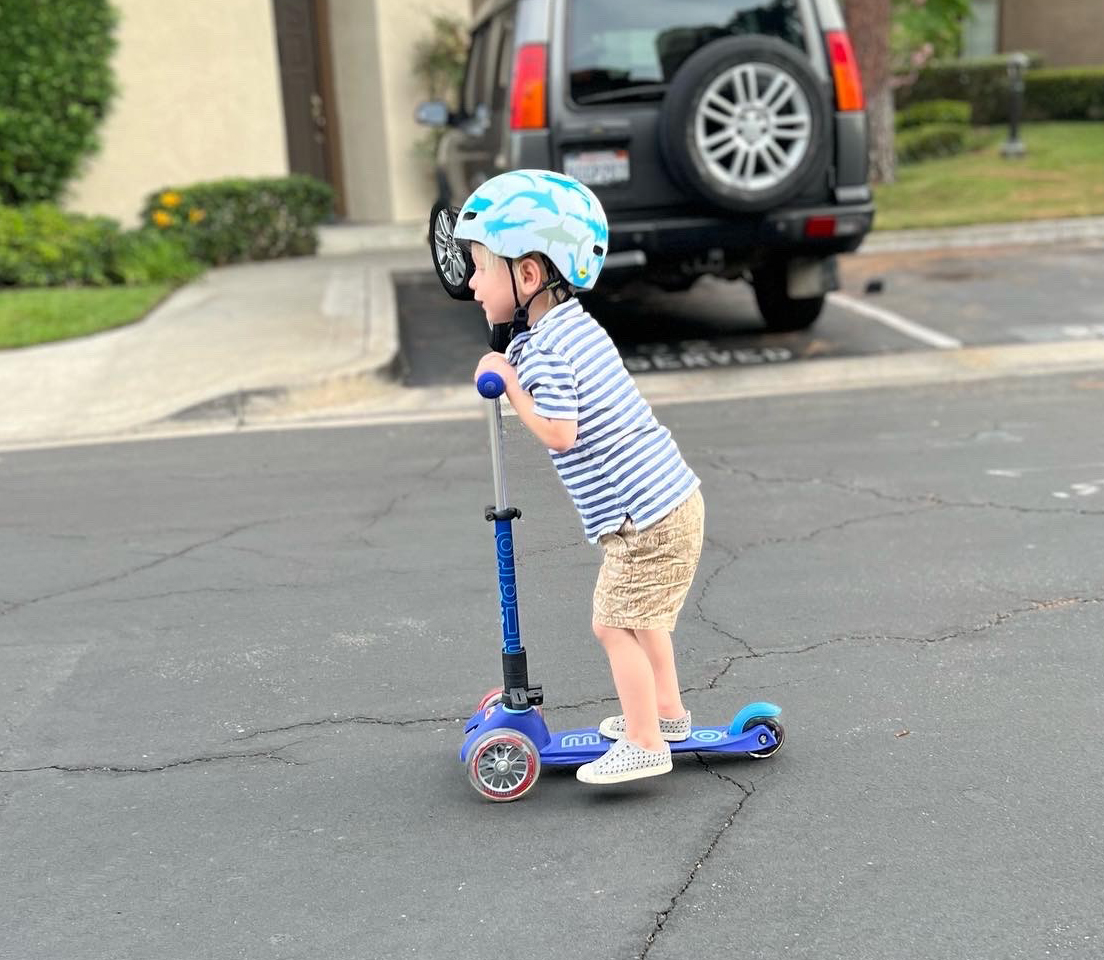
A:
(883, 155)
(868, 23)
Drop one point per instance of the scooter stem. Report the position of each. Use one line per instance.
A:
(517, 692)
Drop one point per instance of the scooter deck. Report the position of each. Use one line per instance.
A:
(574, 747)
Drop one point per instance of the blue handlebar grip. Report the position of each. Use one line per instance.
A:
(490, 385)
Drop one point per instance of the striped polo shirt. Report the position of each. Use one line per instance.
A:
(624, 462)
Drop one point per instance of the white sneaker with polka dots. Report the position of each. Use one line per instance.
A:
(626, 761)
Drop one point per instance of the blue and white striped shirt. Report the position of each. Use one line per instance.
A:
(623, 463)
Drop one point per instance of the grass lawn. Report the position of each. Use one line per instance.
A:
(58, 313)
(1062, 175)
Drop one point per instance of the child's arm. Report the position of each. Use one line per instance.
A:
(558, 435)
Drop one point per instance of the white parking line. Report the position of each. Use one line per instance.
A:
(933, 338)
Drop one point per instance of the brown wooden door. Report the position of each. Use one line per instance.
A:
(308, 114)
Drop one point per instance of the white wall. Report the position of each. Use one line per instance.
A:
(199, 99)
(361, 114)
(401, 24)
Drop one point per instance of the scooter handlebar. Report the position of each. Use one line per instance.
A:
(490, 385)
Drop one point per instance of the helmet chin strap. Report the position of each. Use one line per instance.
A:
(499, 335)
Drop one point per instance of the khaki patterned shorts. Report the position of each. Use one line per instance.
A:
(646, 574)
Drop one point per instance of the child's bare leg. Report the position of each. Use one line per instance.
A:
(635, 684)
(661, 655)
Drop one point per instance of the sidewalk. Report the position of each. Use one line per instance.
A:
(241, 334)
(317, 330)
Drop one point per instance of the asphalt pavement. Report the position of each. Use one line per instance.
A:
(237, 650)
(235, 671)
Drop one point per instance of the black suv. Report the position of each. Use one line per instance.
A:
(723, 137)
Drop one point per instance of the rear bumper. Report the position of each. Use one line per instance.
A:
(635, 242)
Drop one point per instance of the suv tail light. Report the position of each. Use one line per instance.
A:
(845, 70)
(527, 103)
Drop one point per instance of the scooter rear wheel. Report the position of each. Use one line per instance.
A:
(775, 727)
(503, 765)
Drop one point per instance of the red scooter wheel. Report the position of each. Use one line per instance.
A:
(503, 765)
(490, 698)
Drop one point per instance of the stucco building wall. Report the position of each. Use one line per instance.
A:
(198, 99)
(386, 178)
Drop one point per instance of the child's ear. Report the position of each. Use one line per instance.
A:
(531, 273)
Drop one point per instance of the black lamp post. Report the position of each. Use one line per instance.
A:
(1014, 146)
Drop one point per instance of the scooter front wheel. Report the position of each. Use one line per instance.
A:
(490, 698)
(503, 765)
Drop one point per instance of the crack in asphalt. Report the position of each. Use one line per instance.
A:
(164, 558)
(218, 590)
(118, 769)
(735, 553)
(663, 916)
(930, 498)
(373, 519)
(339, 721)
(989, 623)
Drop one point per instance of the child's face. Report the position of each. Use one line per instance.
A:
(491, 284)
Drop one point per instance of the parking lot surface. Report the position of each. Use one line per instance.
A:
(889, 304)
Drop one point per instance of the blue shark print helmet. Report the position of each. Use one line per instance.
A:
(538, 211)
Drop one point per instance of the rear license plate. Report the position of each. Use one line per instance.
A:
(598, 168)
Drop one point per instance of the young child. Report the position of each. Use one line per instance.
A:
(536, 237)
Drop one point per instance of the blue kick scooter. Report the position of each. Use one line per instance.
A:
(507, 740)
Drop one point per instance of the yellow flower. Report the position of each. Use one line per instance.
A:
(170, 199)
(163, 218)
(197, 215)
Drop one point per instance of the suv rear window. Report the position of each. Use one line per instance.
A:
(629, 51)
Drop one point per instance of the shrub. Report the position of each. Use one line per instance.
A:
(55, 86)
(933, 111)
(230, 221)
(146, 256)
(982, 82)
(42, 246)
(928, 142)
(1075, 93)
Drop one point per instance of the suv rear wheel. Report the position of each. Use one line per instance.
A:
(778, 309)
(744, 123)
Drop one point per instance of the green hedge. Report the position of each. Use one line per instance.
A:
(42, 246)
(932, 111)
(930, 141)
(55, 86)
(230, 221)
(1072, 93)
(983, 83)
